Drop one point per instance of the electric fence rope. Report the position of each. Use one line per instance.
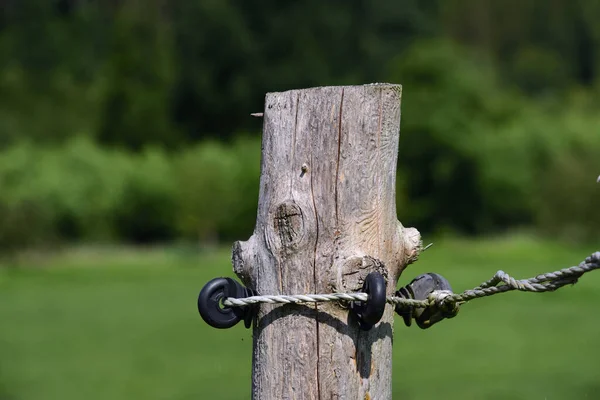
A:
(501, 282)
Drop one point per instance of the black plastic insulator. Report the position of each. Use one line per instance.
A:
(370, 312)
(419, 289)
(212, 310)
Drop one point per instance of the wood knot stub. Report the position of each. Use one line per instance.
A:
(288, 225)
(412, 245)
(241, 260)
(354, 271)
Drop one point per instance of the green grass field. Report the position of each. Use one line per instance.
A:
(123, 325)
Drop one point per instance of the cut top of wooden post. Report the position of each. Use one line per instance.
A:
(326, 218)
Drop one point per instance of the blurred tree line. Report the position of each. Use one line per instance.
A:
(122, 119)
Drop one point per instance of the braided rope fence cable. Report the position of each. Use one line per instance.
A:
(501, 282)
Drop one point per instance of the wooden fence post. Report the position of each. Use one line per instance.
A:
(326, 218)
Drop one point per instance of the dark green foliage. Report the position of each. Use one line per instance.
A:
(476, 157)
(152, 72)
(451, 105)
(80, 191)
(518, 168)
(567, 198)
(105, 107)
(140, 79)
(217, 189)
(147, 206)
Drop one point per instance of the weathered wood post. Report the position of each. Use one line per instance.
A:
(326, 218)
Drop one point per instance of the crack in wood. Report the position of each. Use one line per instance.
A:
(379, 172)
(312, 192)
(339, 152)
(294, 144)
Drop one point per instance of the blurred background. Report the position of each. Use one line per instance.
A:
(129, 163)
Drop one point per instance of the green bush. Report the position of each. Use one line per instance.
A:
(476, 157)
(147, 205)
(242, 216)
(217, 189)
(204, 176)
(451, 104)
(81, 191)
(67, 192)
(85, 185)
(26, 217)
(567, 199)
(543, 167)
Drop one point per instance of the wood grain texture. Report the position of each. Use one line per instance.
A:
(326, 218)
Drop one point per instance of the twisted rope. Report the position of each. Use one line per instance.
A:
(315, 298)
(444, 299)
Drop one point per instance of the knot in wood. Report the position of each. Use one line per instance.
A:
(354, 270)
(288, 224)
